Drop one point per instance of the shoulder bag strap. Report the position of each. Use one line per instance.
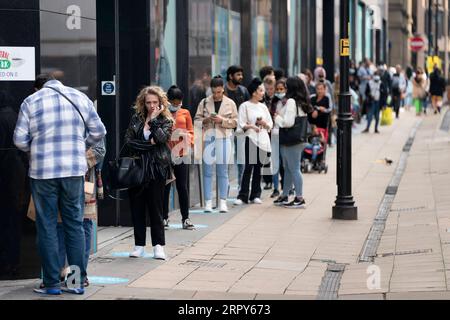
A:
(74, 105)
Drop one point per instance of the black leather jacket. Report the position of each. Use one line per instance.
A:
(157, 157)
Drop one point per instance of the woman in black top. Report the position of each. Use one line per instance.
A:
(322, 107)
(148, 136)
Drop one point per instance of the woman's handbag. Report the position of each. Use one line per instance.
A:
(126, 173)
(297, 134)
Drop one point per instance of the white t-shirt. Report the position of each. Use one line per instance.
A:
(249, 112)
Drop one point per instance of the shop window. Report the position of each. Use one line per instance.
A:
(68, 43)
(294, 13)
(163, 42)
(261, 35)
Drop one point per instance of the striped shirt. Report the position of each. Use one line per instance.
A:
(50, 128)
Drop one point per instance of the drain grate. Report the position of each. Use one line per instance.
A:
(331, 282)
(403, 210)
(446, 122)
(103, 260)
(406, 253)
(204, 264)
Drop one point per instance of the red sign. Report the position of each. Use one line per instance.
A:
(417, 44)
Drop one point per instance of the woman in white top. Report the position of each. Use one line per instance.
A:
(256, 122)
(298, 104)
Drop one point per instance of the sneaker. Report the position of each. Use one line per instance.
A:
(166, 224)
(238, 202)
(208, 206)
(187, 225)
(47, 291)
(377, 132)
(158, 253)
(257, 201)
(281, 201)
(139, 252)
(223, 206)
(297, 203)
(275, 194)
(365, 131)
(77, 291)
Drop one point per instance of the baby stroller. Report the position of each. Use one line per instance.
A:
(319, 164)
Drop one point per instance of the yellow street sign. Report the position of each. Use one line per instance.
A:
(345, 47)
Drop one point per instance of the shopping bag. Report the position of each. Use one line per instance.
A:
(387, 117)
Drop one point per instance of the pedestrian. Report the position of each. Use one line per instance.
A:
(239, 94)
(277, 165)
(374, 93)
(419, 91)
(298, 103)
(437, 89)
(321, 116)
(365, 74)
(147, 137)
(321, 76)
(266, 71)
(409, 75)
(310, 81)
(57, 171)
(181, 144)
(398, 89)
(270, 100)
(217, 116)
(256, 121)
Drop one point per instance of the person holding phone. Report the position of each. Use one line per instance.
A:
(148, 135)
(216, 117)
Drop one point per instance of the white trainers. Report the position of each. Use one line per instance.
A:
(223, 206)
(208, 206)
(158, 253)
(238, 202)
(139, 252)
(257, 201)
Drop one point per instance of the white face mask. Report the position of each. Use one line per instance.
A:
(173, 108)
(280, 95)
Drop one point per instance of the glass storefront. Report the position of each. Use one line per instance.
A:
(294, 13)
(369, 35)
(68, 43)
(262, 38)
(163, 43)
(359, 33)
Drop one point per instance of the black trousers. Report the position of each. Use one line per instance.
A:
(252, 168)
(396, 100)
(181, 174)
(148, 200)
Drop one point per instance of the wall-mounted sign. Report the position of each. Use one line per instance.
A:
(345, 48)
(108, 88)
(17, 64)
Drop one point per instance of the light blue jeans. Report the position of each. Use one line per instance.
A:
(292, 157)
(217, 153)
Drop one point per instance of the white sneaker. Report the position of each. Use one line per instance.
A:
(158, 253)
(257, 201)
(238, 202)
(223, 206)
(139, 252)
(208, 206)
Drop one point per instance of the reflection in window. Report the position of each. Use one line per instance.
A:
(163, 42)
(294, 11)
(70, 53)
(261, 34)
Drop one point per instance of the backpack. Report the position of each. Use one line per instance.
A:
(396, 85)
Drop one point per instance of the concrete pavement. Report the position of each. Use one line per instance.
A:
(264, 252)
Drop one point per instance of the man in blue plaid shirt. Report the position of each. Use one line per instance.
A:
(50, 128)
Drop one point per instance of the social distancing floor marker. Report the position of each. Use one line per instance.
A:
(127, 255)
(107, 280)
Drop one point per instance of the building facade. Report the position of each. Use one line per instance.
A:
(165, 42)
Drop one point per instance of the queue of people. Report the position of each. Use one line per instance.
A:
(264, 128)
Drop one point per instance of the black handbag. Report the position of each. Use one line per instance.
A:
(297, 134)
(126, 173)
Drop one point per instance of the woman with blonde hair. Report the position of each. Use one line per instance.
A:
(148, 135)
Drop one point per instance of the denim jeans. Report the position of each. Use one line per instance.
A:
(49, 196)
(292, 157)
(315, 150)
(88, 226)
(374, 111)
(217, 153)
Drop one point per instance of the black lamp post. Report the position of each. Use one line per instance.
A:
(345, 208)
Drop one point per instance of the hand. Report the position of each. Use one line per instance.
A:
(156, 113)
(315, 114)
(322, 109)
(261, 123)
(217, 119)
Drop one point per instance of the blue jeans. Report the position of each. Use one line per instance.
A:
(217, 153)
(315, 150)
(88, 226)
(292, 157)
(374, 111)
(49, 196)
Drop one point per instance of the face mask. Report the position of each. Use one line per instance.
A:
(280, 95)
(173, 108)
